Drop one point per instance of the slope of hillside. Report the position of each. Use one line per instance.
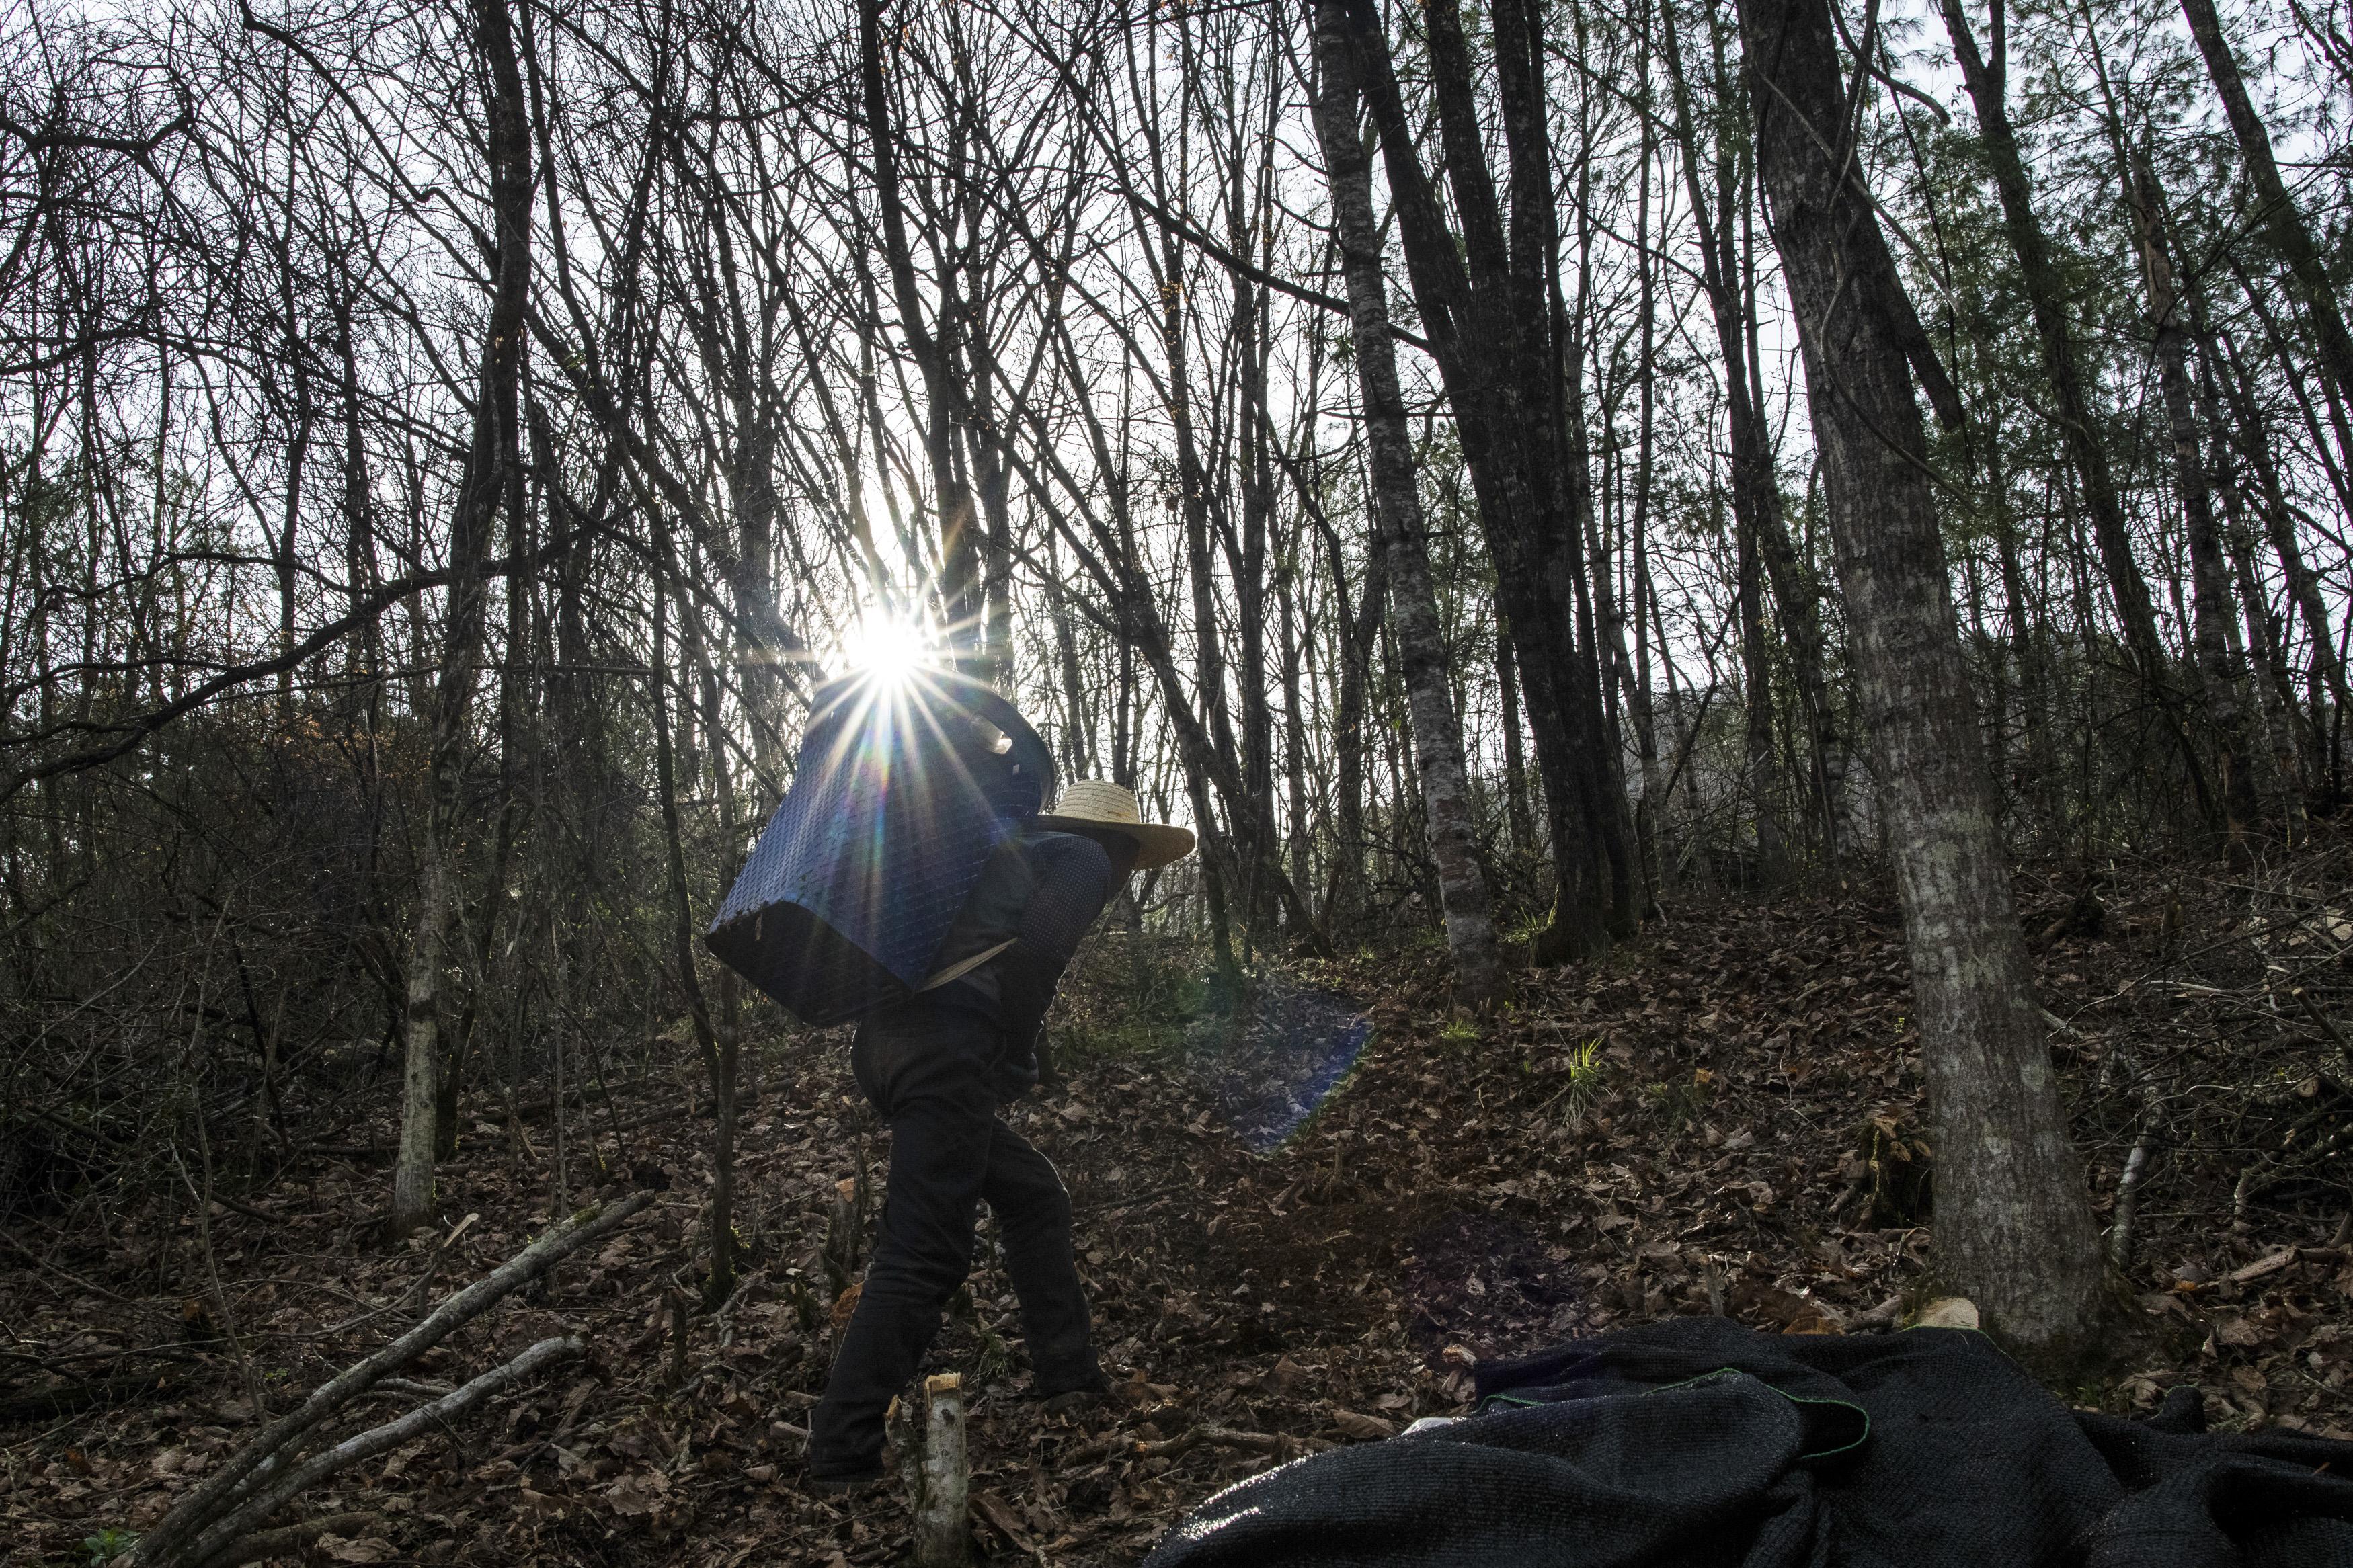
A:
(1300, 1222)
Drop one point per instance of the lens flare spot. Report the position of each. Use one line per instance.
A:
(1285, 1060)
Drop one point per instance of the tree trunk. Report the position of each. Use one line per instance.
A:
(2015, 1229)
(1486, 302)
(1295, 638)
(718, 1047)
(1727, 277)
(2291, 752)
(1987, 81)
(2326, 675)
(1078, 729)
(1256, 475)
(1345, 907)
(947, 407)
(1398, 529)
(1516, 817)
(492, 453)
(2282, 223)
(2224, 678)
(1756, 682)
(2033, 677)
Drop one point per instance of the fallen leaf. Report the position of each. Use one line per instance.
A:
(995, 1510)
(1365, 1428)
(364, 1549)
(637, 1492)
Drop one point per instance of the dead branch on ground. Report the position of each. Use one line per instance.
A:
(206, 1528)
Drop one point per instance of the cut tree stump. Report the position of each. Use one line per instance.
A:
(936, 1470)
(943, 1526)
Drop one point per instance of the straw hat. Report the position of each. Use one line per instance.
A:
(1098, 806)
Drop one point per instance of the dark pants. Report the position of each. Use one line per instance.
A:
(933, 1073)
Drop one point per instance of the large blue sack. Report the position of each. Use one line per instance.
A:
(896, 801)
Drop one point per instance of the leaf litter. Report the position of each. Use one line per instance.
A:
(1293, 1237)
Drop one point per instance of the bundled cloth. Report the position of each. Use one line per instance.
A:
(904, 788)
(1697, 1442)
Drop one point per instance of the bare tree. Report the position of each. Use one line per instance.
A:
(2014, 1226)
(1397, 504)
(1487, 307)
(491, 457)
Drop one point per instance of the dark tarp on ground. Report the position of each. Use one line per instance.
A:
(1696, 1442)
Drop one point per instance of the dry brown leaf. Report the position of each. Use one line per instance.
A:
(362, 1549)
(999, 1513)
(637, 1492)
(1364, 1428)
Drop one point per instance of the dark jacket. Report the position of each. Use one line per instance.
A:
(1041, 890)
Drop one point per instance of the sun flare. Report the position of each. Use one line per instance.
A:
(881, 646)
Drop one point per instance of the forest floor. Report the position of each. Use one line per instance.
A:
(1300, 1220)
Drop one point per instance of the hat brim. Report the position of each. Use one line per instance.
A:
(1156, 843)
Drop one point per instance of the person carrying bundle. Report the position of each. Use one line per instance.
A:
(937, 1064)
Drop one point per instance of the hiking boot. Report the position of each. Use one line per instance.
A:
(841, 1483)
(1072, 1401)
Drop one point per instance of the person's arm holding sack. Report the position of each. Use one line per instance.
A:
(1076, 877)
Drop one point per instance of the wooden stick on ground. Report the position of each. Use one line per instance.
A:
(1281, 1446)
(291, 1540)
(273, 1452)
(218, 1543)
